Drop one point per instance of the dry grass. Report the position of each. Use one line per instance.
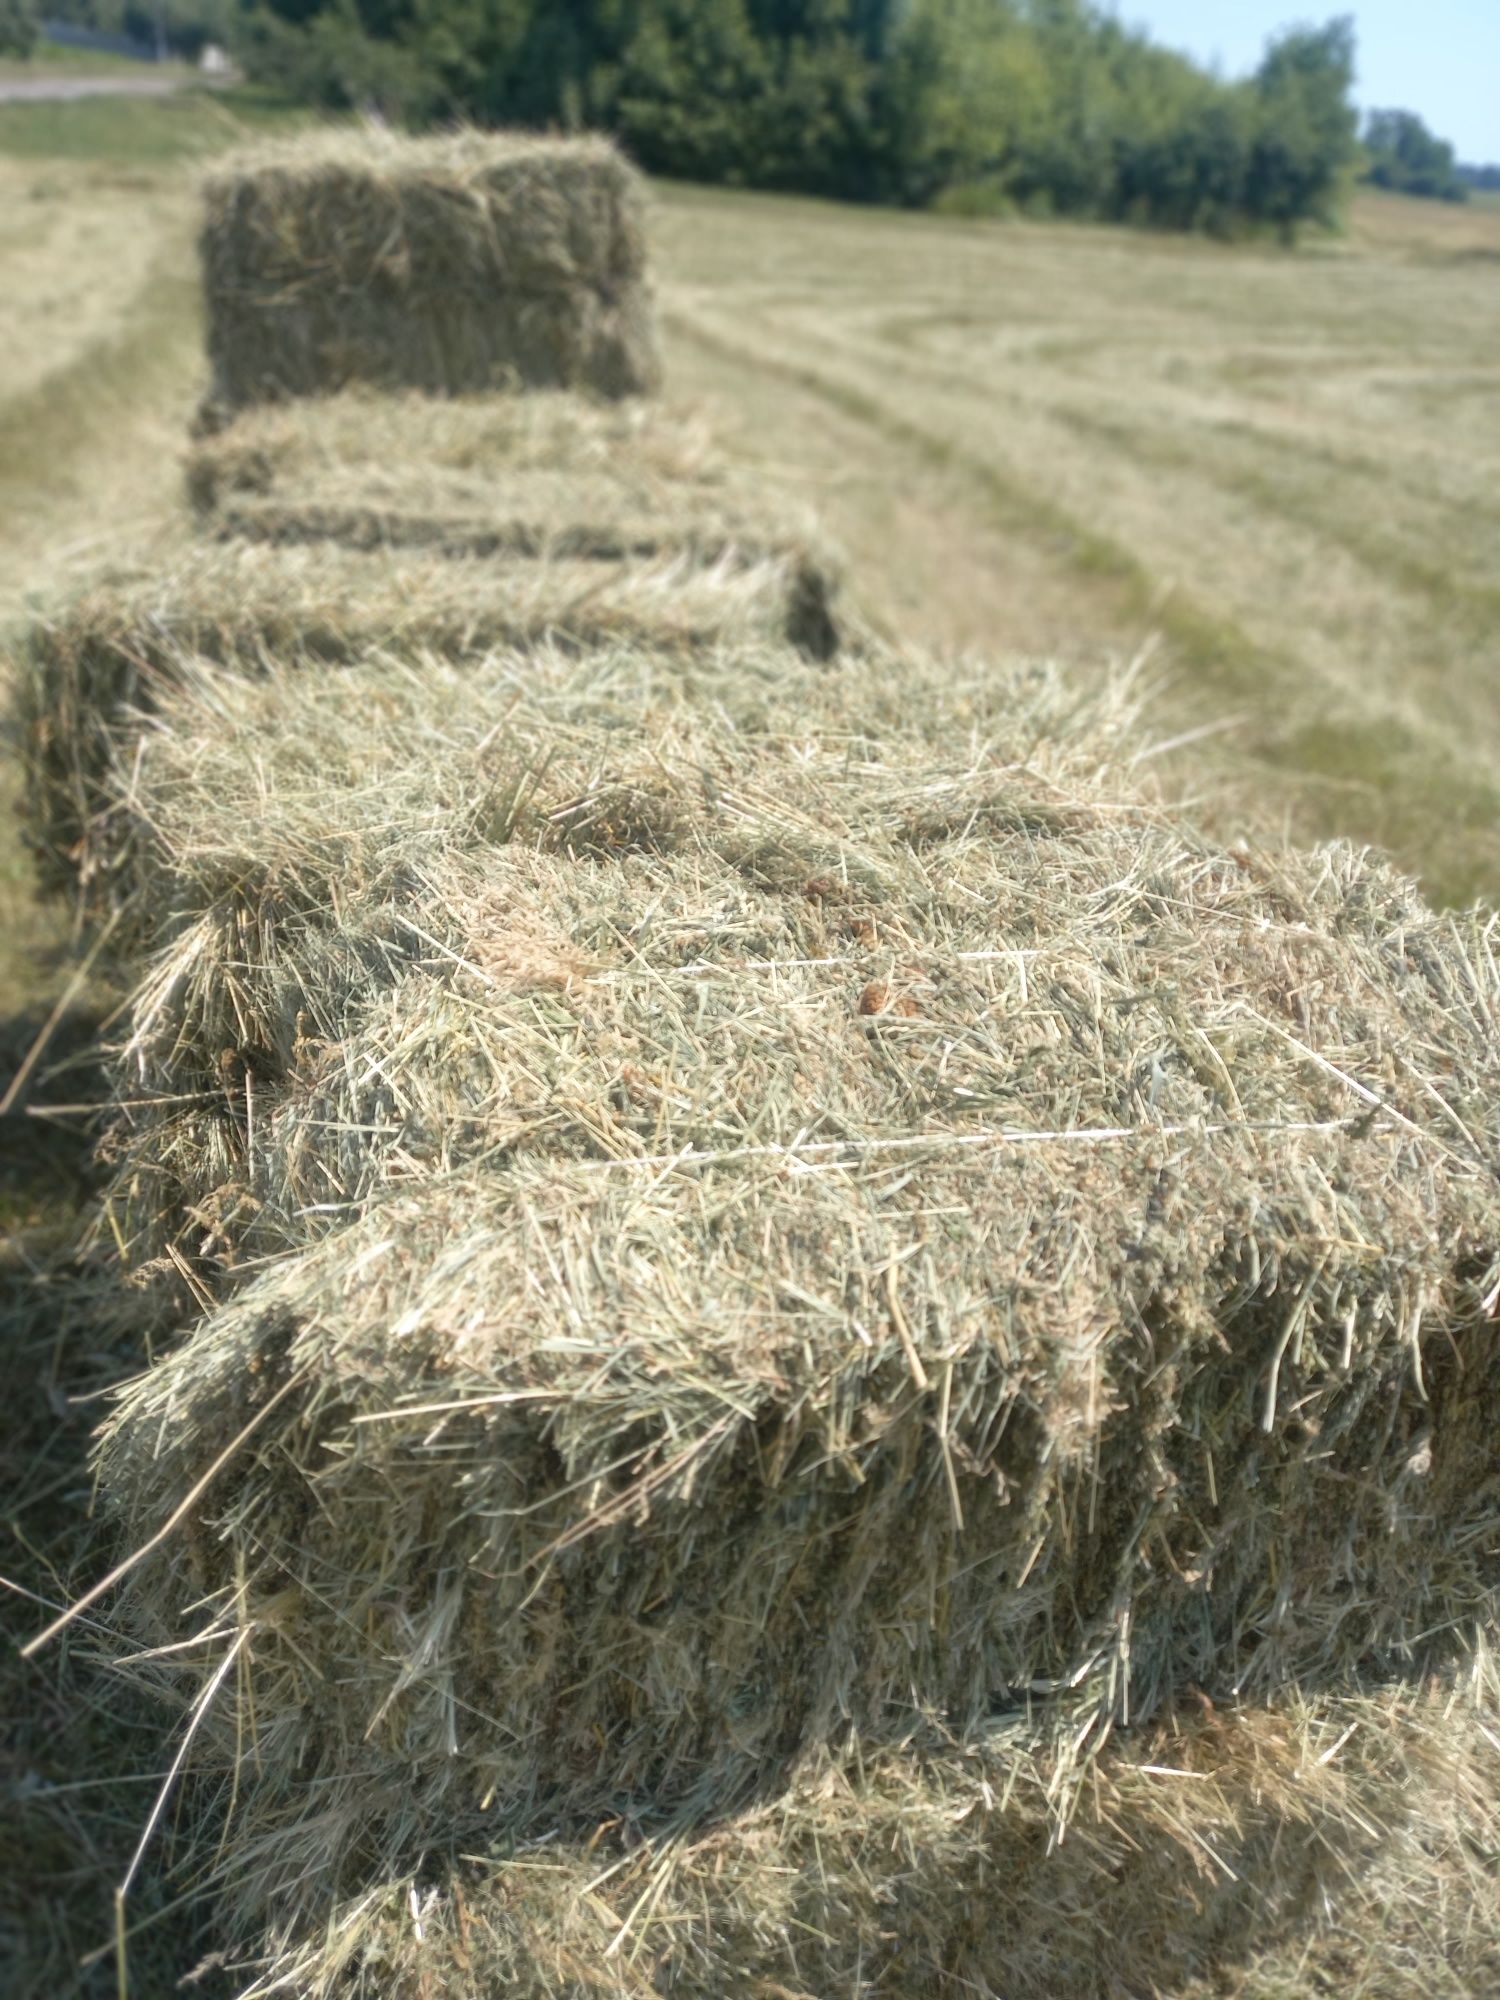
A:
(468, 262)
(94, 671)
(1286, 465)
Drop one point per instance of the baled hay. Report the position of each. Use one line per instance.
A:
(795, 1229)
(90, 675)
(493, 476)
(1327, 1846)
(658, 446)
(447, 265)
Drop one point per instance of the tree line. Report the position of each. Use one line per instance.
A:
(1043, 105)
(985, 106)
(1402, 155)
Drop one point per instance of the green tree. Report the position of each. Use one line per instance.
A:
(17, 27)
(1047, 104)
(1405, 156)
(1304, 149)
(684, 95)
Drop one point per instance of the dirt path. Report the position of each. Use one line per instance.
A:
(64, 89)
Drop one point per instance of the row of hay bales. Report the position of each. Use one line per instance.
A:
(750, 1255)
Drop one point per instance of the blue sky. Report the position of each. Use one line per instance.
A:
(1440, 58)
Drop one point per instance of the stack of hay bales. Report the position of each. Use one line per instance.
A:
(753, 1254)
(386, 518)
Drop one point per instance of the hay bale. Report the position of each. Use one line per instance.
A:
(91, 674)
(467, 262)
(1228, 1855)
(762, 1228)
(387, 441)
(547, 477)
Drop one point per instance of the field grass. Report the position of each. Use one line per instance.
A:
(1282, 467)
(63, 59)
(1278, 471)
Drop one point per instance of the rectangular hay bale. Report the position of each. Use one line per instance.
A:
(750, 1227)
(90, 675)
(542, 477)
(459, 263)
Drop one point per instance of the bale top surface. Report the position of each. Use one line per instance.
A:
(382, 153)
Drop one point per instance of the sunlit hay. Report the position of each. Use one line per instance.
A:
(92, 674)
(739, 1222)
(356, 806)
(1316, 1846)
(467, 262)
(477, 442)
(537, 477)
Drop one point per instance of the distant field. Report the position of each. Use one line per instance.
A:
(1072, 439)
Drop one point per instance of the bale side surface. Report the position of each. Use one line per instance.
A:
(1329, 1847)
(447, 266)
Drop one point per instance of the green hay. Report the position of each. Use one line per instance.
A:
(448, 265)
(748, 1217)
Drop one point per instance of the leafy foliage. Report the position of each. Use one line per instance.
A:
(1407, 158)
(17, 27)
(1049, 105)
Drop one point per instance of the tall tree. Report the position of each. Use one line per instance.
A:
(1305, 146)
(1405, 156)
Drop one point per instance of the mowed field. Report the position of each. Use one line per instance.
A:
(1283, 470)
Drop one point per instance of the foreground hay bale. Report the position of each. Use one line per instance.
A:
(545, 477)
(93, 674)
(741, 1228)
(468, 262)
(1317, 1846)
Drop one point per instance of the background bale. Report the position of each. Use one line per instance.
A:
(752, 1227)
(544, 477)
(486, 440)
(452, 264)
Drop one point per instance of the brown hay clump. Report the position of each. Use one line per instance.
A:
(449, 265)
(645, 1360)
(92, 674)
